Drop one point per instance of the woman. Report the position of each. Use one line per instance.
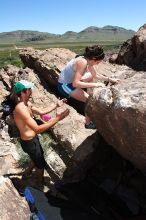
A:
(78, 75)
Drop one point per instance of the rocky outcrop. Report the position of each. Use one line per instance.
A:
(133, 51)
(48, 63)
(12, 205)
(8, 157)
(119, 112)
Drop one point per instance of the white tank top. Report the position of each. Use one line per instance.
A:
(67, 74)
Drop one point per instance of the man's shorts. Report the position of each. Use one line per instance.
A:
(65, 89)
(34, 149)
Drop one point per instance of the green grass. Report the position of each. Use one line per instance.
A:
(10, 55)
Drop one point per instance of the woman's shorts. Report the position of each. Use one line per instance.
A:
(34, 149)
(65, 89)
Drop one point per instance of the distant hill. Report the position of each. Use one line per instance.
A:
(106, 33)
(24, 35)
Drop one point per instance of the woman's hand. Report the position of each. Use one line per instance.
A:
(61, 102)
(98, 84)
(114, 81)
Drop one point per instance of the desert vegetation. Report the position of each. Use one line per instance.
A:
(9, 53)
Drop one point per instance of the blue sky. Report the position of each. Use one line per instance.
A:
(59, 16)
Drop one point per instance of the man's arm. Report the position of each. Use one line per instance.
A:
(31, 123)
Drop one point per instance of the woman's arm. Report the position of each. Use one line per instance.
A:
(107, 79)
(79, 68)
(102, 77)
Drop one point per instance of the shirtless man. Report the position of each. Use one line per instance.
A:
(29, 129)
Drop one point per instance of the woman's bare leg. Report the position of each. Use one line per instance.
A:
(82, 96)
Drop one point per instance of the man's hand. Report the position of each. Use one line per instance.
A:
(63, 114)
(61, 102)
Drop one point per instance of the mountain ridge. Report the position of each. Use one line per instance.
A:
(91, 33)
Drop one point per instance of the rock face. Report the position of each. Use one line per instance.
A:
(133, 51)
(47, 63)
(12, 205)
(8, 157)
(120, 113)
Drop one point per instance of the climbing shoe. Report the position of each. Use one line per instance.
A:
(90, 125)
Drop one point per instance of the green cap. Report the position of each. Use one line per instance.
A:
(22, 84)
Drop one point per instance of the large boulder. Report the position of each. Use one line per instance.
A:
(119, 112)
(133, 51)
